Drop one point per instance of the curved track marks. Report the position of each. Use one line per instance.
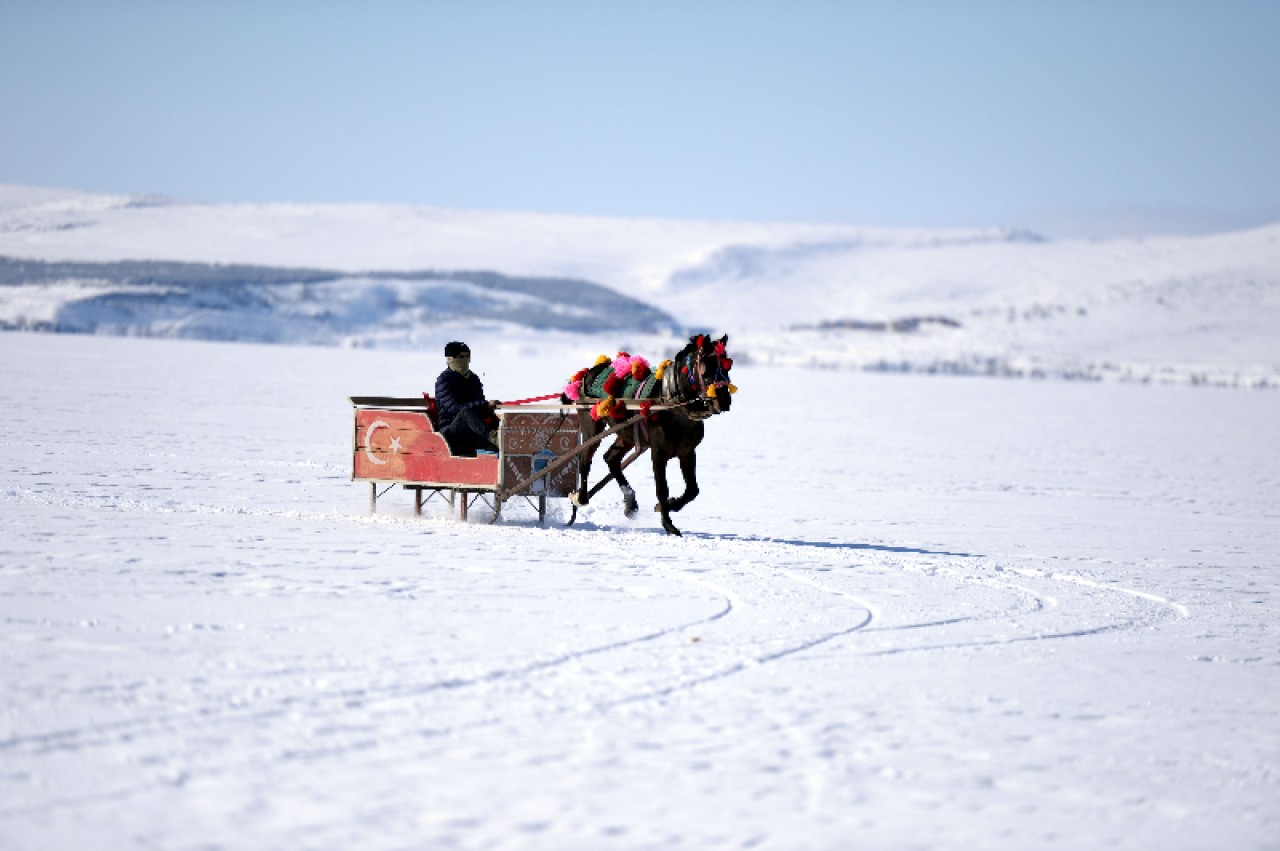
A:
(565, 635)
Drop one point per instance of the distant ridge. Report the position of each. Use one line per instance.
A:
(158, 298)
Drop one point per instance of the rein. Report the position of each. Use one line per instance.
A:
(533, 399)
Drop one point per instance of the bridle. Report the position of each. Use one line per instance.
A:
(692, 387)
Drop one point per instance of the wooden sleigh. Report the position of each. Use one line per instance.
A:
(395, 442)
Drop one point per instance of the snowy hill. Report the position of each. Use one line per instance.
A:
(280, 304)
(994, 301)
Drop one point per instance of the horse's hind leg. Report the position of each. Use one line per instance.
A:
(660, 485)
(689, 469)
(613, 457)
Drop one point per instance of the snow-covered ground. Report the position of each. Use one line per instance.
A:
(907, 612)
(995, 301)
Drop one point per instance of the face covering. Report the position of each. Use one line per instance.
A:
(461, 365)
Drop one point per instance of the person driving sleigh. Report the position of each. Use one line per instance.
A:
(466, 419)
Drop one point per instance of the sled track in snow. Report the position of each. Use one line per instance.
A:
(763, 607)
(1031, 603)
(867, 615)
(748, 605)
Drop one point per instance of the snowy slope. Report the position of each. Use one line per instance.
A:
(942, 614)
(278, 304)
(1174, 309)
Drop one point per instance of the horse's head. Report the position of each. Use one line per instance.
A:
(704, 366)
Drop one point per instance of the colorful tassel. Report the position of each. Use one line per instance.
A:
(603, 409)
(622, 365)
(573, 390)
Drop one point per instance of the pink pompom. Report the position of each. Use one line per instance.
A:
(622, 365)
(573, 390)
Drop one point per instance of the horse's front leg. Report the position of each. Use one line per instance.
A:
(613, 457)
(583, 494)
(586, 426)
(660, 485)
(689, 469)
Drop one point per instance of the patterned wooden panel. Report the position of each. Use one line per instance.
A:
(517, 468)
(526, 434)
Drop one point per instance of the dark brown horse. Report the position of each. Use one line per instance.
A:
(693, 387)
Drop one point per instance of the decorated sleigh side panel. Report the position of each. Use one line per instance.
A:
(392, 444)
(531, 439)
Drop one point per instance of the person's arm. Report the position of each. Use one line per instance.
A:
(446, 398)
(471, 393)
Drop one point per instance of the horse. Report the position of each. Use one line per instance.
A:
(690, 387)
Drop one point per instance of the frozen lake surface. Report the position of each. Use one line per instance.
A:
(907, 612)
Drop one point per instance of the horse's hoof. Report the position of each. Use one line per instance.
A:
(671, 529)
(631, 510)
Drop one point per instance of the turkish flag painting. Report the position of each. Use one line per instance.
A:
(401, 446)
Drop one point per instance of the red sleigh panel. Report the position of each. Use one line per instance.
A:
(401, 446)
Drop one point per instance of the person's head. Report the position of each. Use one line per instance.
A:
(458, 356)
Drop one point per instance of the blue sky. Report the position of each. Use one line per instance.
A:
(1068, 116)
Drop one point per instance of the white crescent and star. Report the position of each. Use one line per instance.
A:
(368, 442)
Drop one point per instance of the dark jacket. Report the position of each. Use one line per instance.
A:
(454, 393)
